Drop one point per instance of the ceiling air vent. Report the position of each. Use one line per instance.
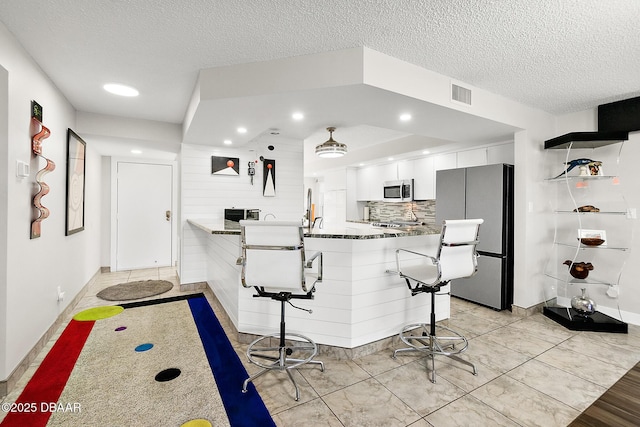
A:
(460, 94)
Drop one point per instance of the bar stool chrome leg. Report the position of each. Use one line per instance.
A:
(423, 337)
(260, 351)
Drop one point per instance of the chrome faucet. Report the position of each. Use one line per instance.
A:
(265, 217)
(315, 220)
(308, 214)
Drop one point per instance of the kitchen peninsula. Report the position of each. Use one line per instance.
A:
(356, 304)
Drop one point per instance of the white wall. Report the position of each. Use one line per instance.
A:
(105, 200)
(532, 228)
(4, 205)
(35, 268)
(205, 196)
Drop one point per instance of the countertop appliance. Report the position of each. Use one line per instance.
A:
(482, 192)
(398, 191)
(239, 214)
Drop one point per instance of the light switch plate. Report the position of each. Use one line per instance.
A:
(22, 169)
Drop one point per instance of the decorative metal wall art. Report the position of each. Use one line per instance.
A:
(42, 132)
(269, 178)
(76, 149)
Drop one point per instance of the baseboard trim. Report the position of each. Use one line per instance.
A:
(526, 312)
(9, 384)
(197, 286)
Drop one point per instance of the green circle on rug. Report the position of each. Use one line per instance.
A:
(135, 290)
(197, 423)
(98, 313)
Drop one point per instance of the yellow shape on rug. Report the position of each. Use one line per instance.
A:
(197, 423)
(98, 313)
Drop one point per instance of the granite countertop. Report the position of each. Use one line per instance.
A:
(219, 226)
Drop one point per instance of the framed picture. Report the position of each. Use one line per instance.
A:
(76, 149)
(225, 166)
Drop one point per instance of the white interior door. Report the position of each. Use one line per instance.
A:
(144, 215)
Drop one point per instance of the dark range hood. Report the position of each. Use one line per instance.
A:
(615, 121)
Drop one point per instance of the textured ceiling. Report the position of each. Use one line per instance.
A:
(556, 55)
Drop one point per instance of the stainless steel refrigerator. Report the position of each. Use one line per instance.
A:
(482, 192)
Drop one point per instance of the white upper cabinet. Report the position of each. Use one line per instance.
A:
(335, 180)
(387, 172)
(445, 161)
(424, 179)
(364, 187)
(470, 158)
(406, 169)
(370, 179)
(500, 154)
(382, 173)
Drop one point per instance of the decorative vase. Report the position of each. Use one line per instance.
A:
(584, 305)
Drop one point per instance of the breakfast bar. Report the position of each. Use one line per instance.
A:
(356, 304)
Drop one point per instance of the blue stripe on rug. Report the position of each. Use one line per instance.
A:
(243, 409)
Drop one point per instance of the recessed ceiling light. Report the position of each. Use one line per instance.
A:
(136, 151)
(242, 130)
(297, 116)
(227, 142)
(122, 90)
(405, 117)
(361, 164)
(390, 158)
(426, 152)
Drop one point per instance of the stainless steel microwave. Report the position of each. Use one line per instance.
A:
(239, 214)
(398, 191)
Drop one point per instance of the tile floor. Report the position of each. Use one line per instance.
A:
(531, 372)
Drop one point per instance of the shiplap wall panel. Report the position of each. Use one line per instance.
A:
(357, 303)
(204, 195)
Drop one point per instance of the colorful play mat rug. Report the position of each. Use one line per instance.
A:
(165, 362)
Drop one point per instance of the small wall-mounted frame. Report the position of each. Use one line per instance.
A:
(225, 166)
(76, 150)
(36, 111)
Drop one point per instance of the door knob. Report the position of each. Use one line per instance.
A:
(168, 215)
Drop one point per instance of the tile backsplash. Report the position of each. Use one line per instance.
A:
(424, 210)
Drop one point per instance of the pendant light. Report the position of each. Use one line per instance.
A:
(331, 148)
